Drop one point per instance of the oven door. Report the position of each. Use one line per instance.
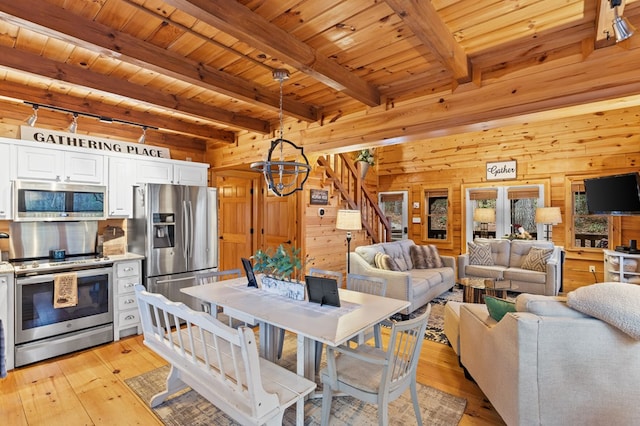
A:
(37, 318)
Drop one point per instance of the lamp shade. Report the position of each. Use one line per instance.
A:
(548, 215)
(484, 215)
(349, 220)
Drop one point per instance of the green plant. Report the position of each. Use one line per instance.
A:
(281, 263)
(366, 156)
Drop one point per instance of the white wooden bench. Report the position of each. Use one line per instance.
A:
(218, 362)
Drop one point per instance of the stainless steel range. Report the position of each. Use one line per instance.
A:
(41, 251)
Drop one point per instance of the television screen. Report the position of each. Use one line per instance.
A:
(614, 195)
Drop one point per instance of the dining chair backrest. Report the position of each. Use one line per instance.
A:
(367, 284)
(328, 274)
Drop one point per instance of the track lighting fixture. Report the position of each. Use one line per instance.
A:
(73, 127)
(283, 177)
(143, 136)
(31, 121)
(621, 27)
(74, 123)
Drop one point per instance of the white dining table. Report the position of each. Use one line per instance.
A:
(311, 322)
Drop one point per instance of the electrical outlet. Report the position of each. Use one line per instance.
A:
(592, 268)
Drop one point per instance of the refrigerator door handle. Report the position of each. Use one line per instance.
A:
(185, 233)
(191, 236)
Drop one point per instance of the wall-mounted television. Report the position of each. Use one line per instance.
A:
(614, 195)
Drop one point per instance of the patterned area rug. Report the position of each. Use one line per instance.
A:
(189, 408)
(435, 326)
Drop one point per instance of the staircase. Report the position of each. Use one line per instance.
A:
(346, 179)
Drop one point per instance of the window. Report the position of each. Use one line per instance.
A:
(523, 202)
(437, 214)
(588, 230)
(437, 202)
(483, 199)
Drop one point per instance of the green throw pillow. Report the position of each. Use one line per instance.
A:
(498, 307)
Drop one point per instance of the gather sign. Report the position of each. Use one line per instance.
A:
(501, 170)
(35, 134)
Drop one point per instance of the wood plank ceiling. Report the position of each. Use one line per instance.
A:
(202, 69)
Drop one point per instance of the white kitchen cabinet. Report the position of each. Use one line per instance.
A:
(126, 317)
(7, 317)
(50, 164)
(5, 182)
(120, 186)
(621, 267)
(168, 172)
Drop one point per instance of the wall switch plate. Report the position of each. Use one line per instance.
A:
(416, 204)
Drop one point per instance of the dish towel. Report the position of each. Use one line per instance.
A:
(65, 290)
(3, 366)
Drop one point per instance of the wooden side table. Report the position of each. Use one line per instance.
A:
(474, 289)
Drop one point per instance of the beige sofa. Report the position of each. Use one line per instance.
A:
(508, 257)
(548, 364)
(418, 286)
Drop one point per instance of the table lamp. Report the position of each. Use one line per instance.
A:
(349, 220)
(548, 216)
(484, 216)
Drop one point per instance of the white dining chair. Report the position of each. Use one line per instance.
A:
(370, 285)
(212, 277)
(375, 375)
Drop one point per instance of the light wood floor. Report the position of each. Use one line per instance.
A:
(87, 387)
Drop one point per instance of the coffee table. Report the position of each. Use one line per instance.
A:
(475, 288)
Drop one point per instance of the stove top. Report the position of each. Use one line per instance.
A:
(47, 265)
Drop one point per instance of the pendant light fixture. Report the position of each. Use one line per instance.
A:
(286, 168)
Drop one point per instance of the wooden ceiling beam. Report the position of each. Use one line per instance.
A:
(35, 64)
(60, 24)
(423, 20)
(40, 96)
(240, 22)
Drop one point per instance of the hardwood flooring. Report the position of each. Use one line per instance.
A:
(87, 387)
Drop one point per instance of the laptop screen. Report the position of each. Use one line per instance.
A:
(323, 290)
(248, 269)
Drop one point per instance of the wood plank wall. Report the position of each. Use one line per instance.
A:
(596, 144)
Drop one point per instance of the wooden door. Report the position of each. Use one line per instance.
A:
(235, 220)
(278, 220)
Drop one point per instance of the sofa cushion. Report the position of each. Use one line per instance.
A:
(519, 274)
(425, 257)
(549, 306)
(484, 271)
(500, 249)
(537, 259)
(498, 307)
(368, 253)
(613, 303)
(480, 254)
(399, 250)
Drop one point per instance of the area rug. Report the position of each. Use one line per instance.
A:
(189, 408)
(435, 326)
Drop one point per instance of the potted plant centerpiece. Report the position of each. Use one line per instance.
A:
(365, 158)
(282, 269)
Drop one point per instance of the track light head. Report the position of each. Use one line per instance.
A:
(31, 121)
(74, 124)
(143, 137)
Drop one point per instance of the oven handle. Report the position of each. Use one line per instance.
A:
(31, 279)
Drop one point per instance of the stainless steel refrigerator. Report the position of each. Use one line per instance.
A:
(175, 228)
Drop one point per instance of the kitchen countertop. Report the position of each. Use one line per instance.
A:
(6, 268)
(126, 256)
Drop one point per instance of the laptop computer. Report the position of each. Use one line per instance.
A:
(248, 270)
(322, 290)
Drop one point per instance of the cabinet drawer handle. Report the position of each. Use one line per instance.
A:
(129, 285)
(129, 301)
(130, 317)
(128, 269)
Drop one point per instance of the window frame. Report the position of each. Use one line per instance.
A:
(424, 215)
(614, 233)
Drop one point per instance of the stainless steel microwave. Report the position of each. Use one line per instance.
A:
(52, 201)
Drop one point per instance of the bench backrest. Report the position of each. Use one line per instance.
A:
(220, 358)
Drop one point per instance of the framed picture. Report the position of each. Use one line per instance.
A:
(501, 170)
(319, 197)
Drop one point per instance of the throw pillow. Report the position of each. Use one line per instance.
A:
(386, 262)
(376, 260)
(537, 259)
(425, 257)
(480, 254)
(498, 308)
(613, 303)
